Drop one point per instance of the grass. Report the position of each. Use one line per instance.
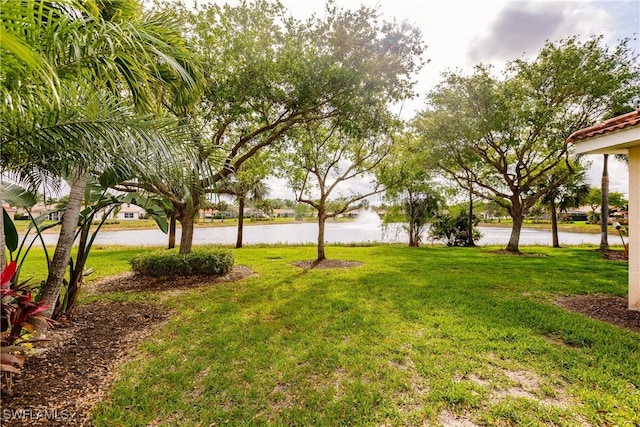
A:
(412, 337)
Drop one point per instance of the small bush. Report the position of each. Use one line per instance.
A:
(171, 263)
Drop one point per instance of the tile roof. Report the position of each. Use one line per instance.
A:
(611, 125)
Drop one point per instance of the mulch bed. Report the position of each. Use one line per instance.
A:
(613, 255)
(59, 386)
(131, 282)
(603, 307)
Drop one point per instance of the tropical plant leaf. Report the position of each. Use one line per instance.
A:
(18, 196)
(9, 368)
(12, 358)
(10, 232)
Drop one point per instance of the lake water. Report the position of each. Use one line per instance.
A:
(358, 231)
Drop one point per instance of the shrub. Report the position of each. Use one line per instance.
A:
(171, 263)
(452, 229)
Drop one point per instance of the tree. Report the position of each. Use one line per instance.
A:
(503, 137)
(452, 227)
(247, 185)
(604, 203)
(571, 194)
(319, 159)
(617, 200)
(593, 199)
(267, 74)
(108, 62)
(409, 185)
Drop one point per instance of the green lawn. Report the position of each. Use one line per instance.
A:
(412, 337)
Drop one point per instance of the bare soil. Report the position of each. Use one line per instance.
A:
(60, 384)
(326, 264)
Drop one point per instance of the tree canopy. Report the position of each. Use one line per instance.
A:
(266, 74)
(500, 138)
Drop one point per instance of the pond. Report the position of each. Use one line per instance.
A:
(366, 229)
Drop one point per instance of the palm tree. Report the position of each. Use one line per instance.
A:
(108, 62)
(570, 194)
(244, 190)
(604, 205)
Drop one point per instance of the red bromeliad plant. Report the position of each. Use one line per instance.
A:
(19, 316)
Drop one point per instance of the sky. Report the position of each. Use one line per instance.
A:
(460, 34)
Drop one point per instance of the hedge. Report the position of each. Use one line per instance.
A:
(171, 263)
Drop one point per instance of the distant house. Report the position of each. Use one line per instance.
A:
(129, 212)
(354, 213)
(577, 215)
(126, 212)
(36, 211)
(284, 213)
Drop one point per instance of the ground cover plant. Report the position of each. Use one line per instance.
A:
(432, 335)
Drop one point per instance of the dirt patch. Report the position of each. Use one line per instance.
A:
(449, 419)
(131, 282)
(603, 307)
(524, 254)
(614, 255)
(61, 383)
(327, 264)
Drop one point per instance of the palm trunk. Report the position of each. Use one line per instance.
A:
(604, 209)
(51, 288)
(554, 224)
(240, 221)
(321, 222)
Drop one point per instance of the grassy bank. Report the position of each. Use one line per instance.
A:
(573, 227)
(414, 336)
(142, 224)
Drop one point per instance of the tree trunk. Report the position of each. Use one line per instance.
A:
(518, 218)
(604, 206)
(412, 239)
(172, 230)
(470, 241)
(76, 277)
(554, 224)
(60, 260)
(186, 224)
(321, 220)
(240, 221)
(186, 217)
